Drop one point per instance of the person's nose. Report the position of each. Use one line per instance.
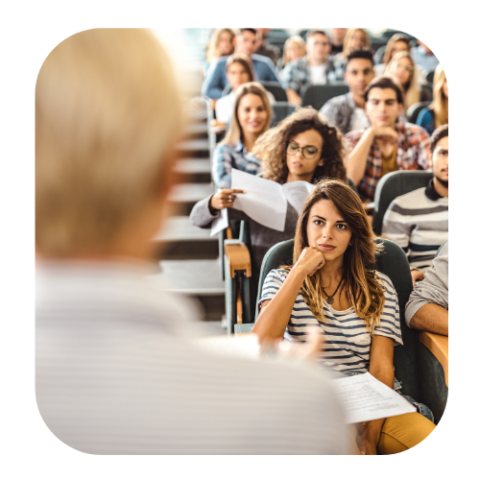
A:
(327, 232)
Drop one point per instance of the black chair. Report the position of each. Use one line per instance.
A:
(377, 42)
(393, 185)
(281, 110)
(378, 57)
(427, 93)
(276, 90)
(429, 76)
(421, 377)
(317, 95)
(415, 109)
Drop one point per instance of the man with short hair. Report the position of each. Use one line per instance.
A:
(316, 67)
(427, 308)
(418, 220)
(264, 47)
(245, 42)
(337, 35)
(346, 112)
(387, 145)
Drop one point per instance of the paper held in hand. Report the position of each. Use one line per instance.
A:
(266, 200)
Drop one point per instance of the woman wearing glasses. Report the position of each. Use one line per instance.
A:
(301, 147)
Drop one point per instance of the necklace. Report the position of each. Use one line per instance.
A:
(330, 298)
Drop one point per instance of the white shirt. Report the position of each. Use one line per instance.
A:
(359, 119)
(318, 74)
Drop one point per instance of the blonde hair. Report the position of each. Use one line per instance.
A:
(412, 89)
(348, 37)
(439, 104)
(107, 109)
(293, 39)
(398, 37)
(212, 48)
(235, 132)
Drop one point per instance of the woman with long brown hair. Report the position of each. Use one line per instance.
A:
(332, 288)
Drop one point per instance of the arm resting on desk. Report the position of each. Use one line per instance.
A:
(431, 318)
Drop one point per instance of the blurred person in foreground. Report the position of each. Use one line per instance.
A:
(115, 372)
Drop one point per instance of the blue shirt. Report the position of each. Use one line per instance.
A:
(420, 57)
(426, 119)
(216, 78)
(226, 157)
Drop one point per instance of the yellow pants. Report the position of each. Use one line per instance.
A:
(402, 432)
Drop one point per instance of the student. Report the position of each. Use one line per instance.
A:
(423, 56)
(337, 37)
(264, 48)
(331, 288)
(116, 371)
(436, 114)
(387, 145)
(402, 67)
(264, 70)
(427, 308)
(355, 38)
(301, 147)
(347, 112)
(220, 44)
(252, 116)
(293, 49)
(315, 68)
(418, 220)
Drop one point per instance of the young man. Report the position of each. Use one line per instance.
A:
(337, 35)
(418, 220)
(387, 145)
(116, 369)
(245, 42)
(264, 48)
(427, 308)
(346, 112)
(316, 67)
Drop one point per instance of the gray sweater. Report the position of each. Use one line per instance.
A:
(433, 288)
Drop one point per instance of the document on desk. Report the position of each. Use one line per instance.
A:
(365, 398)
(296, 193)
(264, 201)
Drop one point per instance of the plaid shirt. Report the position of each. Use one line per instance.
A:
(226, 157)
(413, 153)
(297, 74)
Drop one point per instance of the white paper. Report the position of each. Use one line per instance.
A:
(296, 193)
(241, 345)
(264, 201)
(220, 223)
(365, 398)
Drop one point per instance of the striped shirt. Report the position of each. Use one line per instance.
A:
(347, 340)
(116, 373)
(418, 222)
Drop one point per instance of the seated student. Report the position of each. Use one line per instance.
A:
(355, 38)
(264, 48)
(423, 56)
(264, 70)
(239, 71)
(398, 43)
(436, 114)
(251, 118)
(402, 67)
(427, 308)
(116, 372)
(293, 49)
(347, 111)
(331, 288)
(301, 147)
(418, 220)
(387, 145)
(337, 37)
(315, 68)
(220, 44)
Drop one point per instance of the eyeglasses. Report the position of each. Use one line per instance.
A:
(308, 152)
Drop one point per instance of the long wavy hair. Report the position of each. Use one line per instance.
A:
(212, 49)
(271, 147)
(440, 101)
(291, 40)
(362, 286)
(398, 37)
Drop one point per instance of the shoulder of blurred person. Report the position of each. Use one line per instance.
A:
(338, 111)
(270, 51)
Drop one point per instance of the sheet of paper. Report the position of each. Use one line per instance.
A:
(365, 398)
(231, 345)
(220, 223)
(296, 193)
(264, 201)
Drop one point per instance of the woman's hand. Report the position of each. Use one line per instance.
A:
(311, 260)
(225, 198)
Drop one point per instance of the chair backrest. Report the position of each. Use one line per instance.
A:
(427, 93)
(393, 262)
(280, 111)
(429, 76)
(414, 110)
(276, 90)
(392, 186)
(378, 57)
(318, 95)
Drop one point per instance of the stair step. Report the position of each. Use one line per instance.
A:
(197, 148)
(196, 130)
(194, 170)
(186, 195)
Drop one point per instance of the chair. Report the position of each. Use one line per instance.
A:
(429, 76)
(378, 57)
(276, 90)
(377, 42)
(318, 95)
(414, 110)
(419, 371)
(393, 185)
(281, 110)
(427, 93)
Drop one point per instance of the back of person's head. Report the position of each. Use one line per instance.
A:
(213, 49)
(271, 147)
(243, 60)
(439, 104)
(293, 40)
(364, 53)
(350, 39)
(437, 135)
(383, 82)
(107, 111)
(412, 88)
(391, 49)
(235, 133)
(362, 287)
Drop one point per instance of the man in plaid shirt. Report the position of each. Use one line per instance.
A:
(386, 146)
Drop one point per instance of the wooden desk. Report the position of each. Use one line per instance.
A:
(438, 345)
